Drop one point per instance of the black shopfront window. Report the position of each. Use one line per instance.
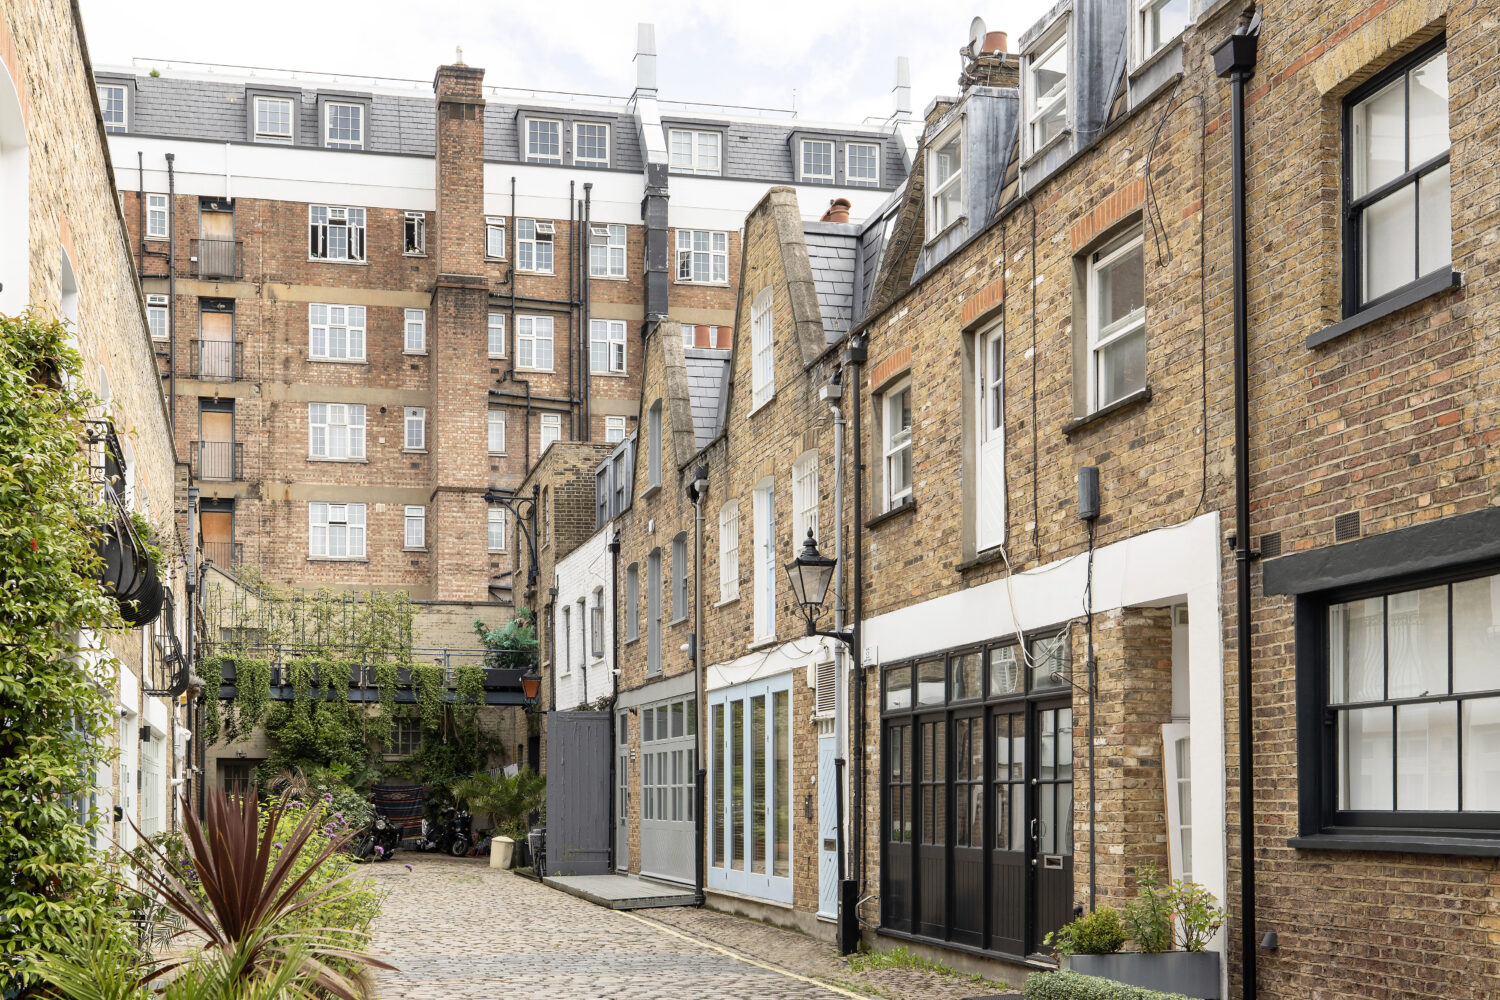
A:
(977, 803)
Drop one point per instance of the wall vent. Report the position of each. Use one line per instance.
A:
(825, 688)
(1346, 526)
(1181, 613)
(1270, 545)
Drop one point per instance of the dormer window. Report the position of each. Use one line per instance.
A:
(343, 126)
(1046, 86)
(817, 161)
(543, 141)
(945, 201)
(1160, 22)
(273, 120)
(113, 107)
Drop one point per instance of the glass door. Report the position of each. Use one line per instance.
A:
(1008, 857)
(1052, 823)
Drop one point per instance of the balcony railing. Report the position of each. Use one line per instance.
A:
(217, 360)
(218, 461)
(217, 258)
(225, 555)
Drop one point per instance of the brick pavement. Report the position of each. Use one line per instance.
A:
(458, 930)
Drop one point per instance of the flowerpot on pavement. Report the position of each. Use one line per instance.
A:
(1191, 973)
(501, 851)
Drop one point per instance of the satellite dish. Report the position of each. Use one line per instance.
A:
(977, 33)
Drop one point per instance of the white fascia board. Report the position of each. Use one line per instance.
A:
(277, 173)
(130, 691)
(156, 717)
(717, 203)
(542, 192)
(766, 662)
(1157, 567)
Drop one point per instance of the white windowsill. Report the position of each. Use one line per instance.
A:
(158, 239)
(523, 368)
(594, 374)
(339, 559)
(414, 253)
(408, 549)
(415, 354)
(338, 461)
(704, 284)
(761, 643)
(338, 361)
(413, 451)
(496, 357)
(727, 600)
(608, 277)
(756, 409)
(525, 270)
(333, 260)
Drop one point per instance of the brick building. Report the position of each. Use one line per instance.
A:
(64, 253)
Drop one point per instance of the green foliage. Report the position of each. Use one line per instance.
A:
(1075, 986)
(513, 645)
(55, 718)
(1149, 914)
(1101, 932)
(347, 915)
(1198, 913)
(508, 799)
(252, 700)
(899, 957)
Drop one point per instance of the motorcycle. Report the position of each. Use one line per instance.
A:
(381, 834)
(453, 832)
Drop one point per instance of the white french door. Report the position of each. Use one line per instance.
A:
(989, 411)
(750, 818)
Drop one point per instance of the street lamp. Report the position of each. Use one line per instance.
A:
(810, 574)
(531, 684)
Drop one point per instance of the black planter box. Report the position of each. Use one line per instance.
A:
(1191, 973)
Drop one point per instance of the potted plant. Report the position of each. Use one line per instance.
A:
(508, 799)
(1171, 925)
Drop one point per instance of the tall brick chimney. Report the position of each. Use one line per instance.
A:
(460, 169)
(993, 66)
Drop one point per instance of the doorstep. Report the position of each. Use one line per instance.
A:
(621, 892)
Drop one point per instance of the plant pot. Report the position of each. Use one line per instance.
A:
(502, 850)
(1191, 973)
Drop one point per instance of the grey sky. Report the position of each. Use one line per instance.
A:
(838, 55)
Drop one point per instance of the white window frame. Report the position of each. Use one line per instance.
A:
(494, 238)
(159, 306)
(324, 515)
(495, 431)
(1126, 327)
(158, 217)
(755, 877)
(321, 348)
(322, 220)
(804, 497)
(564, 638)
(123, 124)
(607, 253)
(694, 162)
(632, 602)
(762, 350)
(417, 222)
(891, 446)
(352, 142)
(416, 331)
(336, 432)
(806, 176)
(1034, 112)
(679, 578)
(729, 552)
(414, 424)
(532, 333)
(1143, 11)
(495, 330)
(274, 138)
(614, 429)
(607, 336)
(532, 134)
(596, 624)
(551, 433)
(495, 517)
(935, 195)
(689, 335)
(415, 525)
(529, 248)
(849, 177)
(764, 513)
(713, 258)
(1178, 786)
(591, 161)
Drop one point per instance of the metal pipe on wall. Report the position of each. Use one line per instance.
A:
(171, 295)
(587, 333)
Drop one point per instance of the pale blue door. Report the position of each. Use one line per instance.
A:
(828, 857)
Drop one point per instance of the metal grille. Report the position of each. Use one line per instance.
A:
(825, 683)
(1270, 545)
(1346, 526)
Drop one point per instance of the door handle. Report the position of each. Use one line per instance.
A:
(1033, 828)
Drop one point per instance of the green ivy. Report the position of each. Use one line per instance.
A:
(430, 686)
(55, 715)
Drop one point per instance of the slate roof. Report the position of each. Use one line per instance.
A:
(833, 252)
(707, 372)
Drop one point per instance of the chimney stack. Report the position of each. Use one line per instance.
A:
(645, 59)
(993, 65)
(903, 86)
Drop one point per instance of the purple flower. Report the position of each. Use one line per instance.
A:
(327, 796)
(279, 845)
(379, 850)
(408, 867)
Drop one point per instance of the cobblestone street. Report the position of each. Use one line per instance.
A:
(458, 930)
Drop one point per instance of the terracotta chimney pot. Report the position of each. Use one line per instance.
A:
(996, 41)
(838, 211)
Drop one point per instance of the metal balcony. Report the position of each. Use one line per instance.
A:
(216, 360)
(225, 555)
(217, 259)
(218, 461)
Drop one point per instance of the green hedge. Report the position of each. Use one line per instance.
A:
(1076, 986)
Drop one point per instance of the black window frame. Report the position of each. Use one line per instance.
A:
(1352, 208)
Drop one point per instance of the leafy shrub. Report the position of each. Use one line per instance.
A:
(1101, 932)
(508, 799)
(1149, 914)
(513, 645)
(348, 914)
(1199, 914)
(1075, 986)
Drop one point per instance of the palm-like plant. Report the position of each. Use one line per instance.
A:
(506, 799)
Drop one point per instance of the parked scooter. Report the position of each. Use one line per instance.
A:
(381, 834)
(453, 832)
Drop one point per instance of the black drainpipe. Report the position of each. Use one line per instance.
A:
(1235, 58)
(614, 694)
(574, 211)
(854, 357)
(586, 335)
(140, 211)
(172, 295)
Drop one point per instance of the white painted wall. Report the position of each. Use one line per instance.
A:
(576, 576)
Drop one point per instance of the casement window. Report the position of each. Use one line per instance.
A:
(336, 333)
(607, 251)
(416, 428)
(534, 342)
(158, 217)
(336, 431)
(336, 530)
(632, 602)
(607, 346)
(695, 152)
(988, 411)
(406, 736)
(729, 551)
(414, 234)
(679, 576)
(702, 256)
(750, 789)
(494, 238)
(653, 612)
(1045, 83)
(551, 428)
(817, 161)
(804, 498)
(862, 164)
(1116, 304)
(1398, 217)
(621, 466)
(1177, 777)
(496, 328)
(416, 527)
(1159, 22)
(534, 245)
(762, 350)
(565, 639)
(343, 126)
(689, 335)
(416, 331)
(596, 623)
(496, 529)
(895, 444)
(273, 120)
(764, 511)
(614, 429)
(601, 497)
(158, 315)
(336, 233)
(590, 144)
(945, 177)
(112, 107)
(496, 429)
(653, 434)
(543, 140)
